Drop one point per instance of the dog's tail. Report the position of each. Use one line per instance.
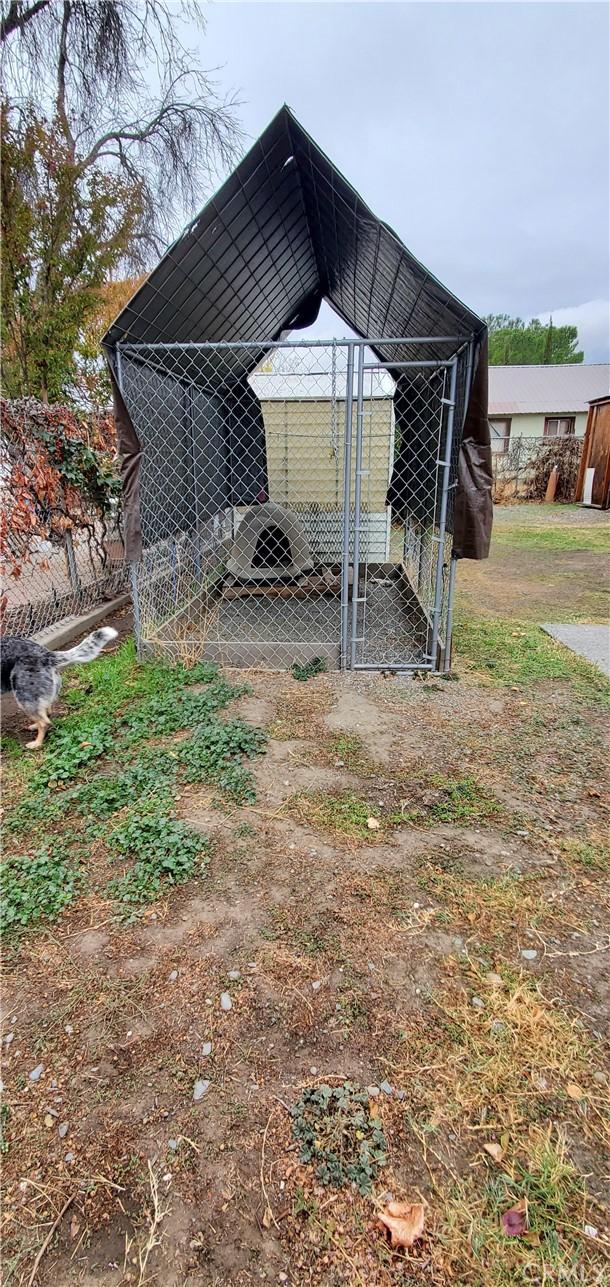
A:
(87, 650)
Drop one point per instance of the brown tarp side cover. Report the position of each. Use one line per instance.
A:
(284, 232)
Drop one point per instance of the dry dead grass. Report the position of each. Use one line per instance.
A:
(299, 709)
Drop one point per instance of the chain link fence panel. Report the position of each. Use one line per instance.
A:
(291, 503)
(61, 577)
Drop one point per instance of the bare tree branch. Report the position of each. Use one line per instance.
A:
(18, 15)
(90, 65)
(61, 75)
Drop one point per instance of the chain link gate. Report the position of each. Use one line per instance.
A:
(267, 472)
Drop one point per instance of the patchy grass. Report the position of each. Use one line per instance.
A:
(454, 801)
(498, 1068)
(538, 1177)
(574, 537)
(120, 706)
(588, 855)
(344, 815)
(520, 653)
(396, 962)
(346, 750)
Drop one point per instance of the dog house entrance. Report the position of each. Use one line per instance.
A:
(301, 505)
(272, 550)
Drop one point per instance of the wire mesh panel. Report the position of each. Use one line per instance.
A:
(289, 503)
(59, 577)
(397, 614)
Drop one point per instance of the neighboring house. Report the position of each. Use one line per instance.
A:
(543, 401)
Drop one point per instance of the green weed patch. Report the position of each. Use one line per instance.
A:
(338, 1135)
(214, 754)
(163, 852)
(35, 887)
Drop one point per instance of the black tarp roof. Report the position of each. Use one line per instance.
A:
(283, 232)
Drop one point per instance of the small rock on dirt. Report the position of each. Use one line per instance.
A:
(316, 985)
(200, 1089)
(494, 980)
(62, 1130)
(234, 975)
(385, 1087)
(529, 953)
(206, 1049)
(478, 1003)
(225, 1001)
(373, 1092)
(36, 1073)
(68, 1157)
(173, 976)
(173, 1145)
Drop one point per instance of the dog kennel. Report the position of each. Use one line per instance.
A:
(287, 499)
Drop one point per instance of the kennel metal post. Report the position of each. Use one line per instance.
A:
(449, 623)
(133, 567)
(442, 525)
(347, 484)
(357, 505)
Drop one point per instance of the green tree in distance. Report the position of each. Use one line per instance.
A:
(513, 342)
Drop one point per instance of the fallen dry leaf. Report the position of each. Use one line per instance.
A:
(405, 1222)
(514, 1220)
(574, 1091)
(372, 824)
(74, 1226)
(495, 1150)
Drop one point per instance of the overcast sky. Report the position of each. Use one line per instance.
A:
(478, 131)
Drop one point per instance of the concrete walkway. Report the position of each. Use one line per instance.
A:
(591, 642)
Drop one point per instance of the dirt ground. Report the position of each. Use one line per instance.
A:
(416, 903)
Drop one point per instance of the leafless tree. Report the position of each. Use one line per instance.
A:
(127, 94)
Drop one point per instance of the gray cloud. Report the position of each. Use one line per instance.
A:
(478, 131)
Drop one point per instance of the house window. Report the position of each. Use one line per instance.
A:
(500, 434)
(558, 426)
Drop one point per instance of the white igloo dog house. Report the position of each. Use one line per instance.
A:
(270, 545)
